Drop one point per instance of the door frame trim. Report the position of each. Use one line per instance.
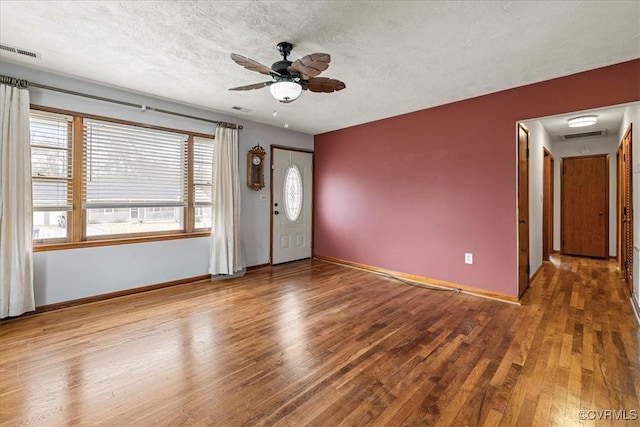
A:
(621, 177)
(619, 205)
(521, 288)
(313, 167)
(551, 190)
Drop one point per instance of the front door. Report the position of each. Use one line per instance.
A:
(292, 205)
(585, 206)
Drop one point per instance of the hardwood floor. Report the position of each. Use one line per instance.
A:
(313, 343)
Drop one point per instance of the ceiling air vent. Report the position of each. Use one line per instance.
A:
(585, 134)
(19, 51)
(243, 109)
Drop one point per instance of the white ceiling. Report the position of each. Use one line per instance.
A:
(394, 56)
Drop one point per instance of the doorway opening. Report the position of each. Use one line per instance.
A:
(551, 140)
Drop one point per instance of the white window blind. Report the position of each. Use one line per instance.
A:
(128, 166)
(203, 153)
(202, 170)
(51, 136)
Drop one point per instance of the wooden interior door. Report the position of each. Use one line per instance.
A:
(523, 209)
(626, 205)
(547, 205)
(585, 206)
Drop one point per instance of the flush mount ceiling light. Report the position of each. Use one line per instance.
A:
(578, 122)
(285, 90)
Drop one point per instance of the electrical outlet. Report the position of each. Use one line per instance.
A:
(468, 258)
(263, 198)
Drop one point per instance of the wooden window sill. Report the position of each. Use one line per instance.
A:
(43, 247)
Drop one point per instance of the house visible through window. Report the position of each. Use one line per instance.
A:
(131, 179)
(133, 167)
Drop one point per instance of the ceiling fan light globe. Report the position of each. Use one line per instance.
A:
(285, 91)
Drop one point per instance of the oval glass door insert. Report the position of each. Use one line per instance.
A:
(293, 193)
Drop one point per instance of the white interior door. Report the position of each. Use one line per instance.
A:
(292, 201)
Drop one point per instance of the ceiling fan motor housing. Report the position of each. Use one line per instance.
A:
(281, 67)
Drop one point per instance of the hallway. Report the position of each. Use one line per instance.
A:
(584, 343)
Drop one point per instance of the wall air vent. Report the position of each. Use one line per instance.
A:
(585, 134)
(19, 51)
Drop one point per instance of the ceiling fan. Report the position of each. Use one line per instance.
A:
(291, 78)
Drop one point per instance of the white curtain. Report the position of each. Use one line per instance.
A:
(226, 252)
(16, 210)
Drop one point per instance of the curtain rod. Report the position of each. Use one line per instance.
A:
(24, 84)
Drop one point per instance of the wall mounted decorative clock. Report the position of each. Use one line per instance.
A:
(255, 167)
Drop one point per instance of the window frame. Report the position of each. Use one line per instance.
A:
(286, 191)
(69, 179)
(76, 218)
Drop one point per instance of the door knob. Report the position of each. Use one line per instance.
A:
(523, 221)
(601, 213)
(276, 213)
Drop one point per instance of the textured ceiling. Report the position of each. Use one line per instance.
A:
(394, 56)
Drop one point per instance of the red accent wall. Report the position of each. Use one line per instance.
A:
(413, 193)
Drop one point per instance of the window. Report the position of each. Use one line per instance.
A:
(133, 167)
(293, 193)
(130, 179)
(51, 148)
(203, 180)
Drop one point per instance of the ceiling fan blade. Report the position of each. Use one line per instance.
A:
(252, 65)
(253, 86)
(323, 84)
(311, 65)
